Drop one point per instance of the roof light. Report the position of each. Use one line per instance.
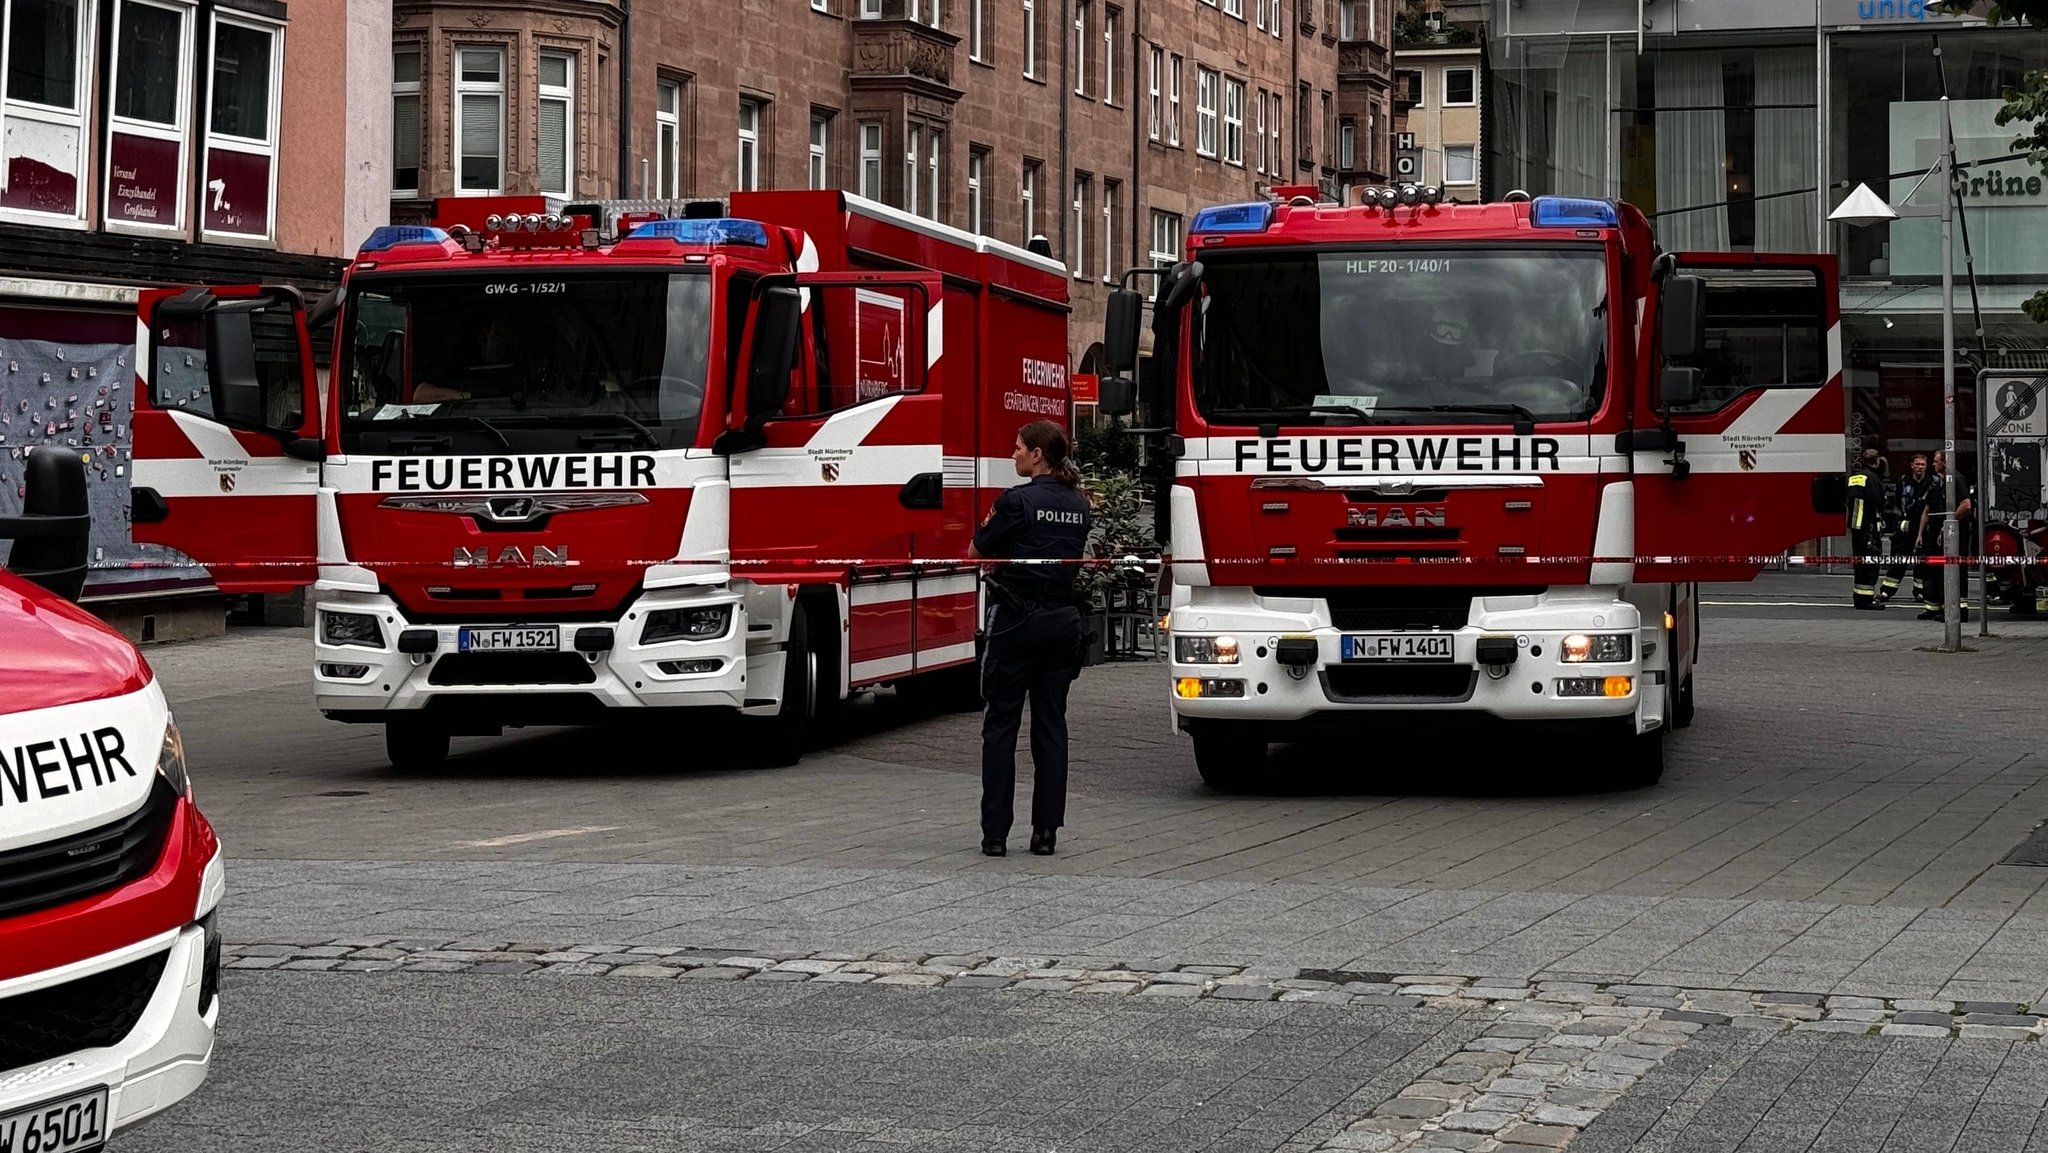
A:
(720, 230)
(1572, 212)
(1253, 216)
(1431, 194)
(393, 235)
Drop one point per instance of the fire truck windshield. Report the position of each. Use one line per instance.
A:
(504, 361)
(1448, 336)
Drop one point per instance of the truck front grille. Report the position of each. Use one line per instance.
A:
(1396, 684)
(88, 1013)
(512, 669)
(86, 864)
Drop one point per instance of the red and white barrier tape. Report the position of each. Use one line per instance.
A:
(1131, 562)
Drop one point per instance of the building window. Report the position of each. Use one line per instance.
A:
(1459, 165)
(1347, 143)
(405, 121)
(557, 122)
(1158, 58)
(821, 128)
(977, 21)
(1080, 47)
(871, 161)
(931, 13)
(1028, 199)
(977, 163)
(1458, 87)
(1329, 131)
(1233, 121)
(750, 145)
(1112, 47)
(1077, 244)
(45, 97)
(1259, 125)
(931, 176)
(871, 9)
(1173, 102)
(1277, 19)
(239, 187)
(1031, 38)
(1165, 238)
(1205, 111)
(1234, 8)
(913, 159)
(1408, 86)
(479, 119)
(1110, 188)
(146, 156)
(1348, 22)
(668, 137)
(1273, 122)
(821, 5)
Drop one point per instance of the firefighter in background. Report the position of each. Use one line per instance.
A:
(1035, 646)
(1866, 530)
(1932, 513)
(1909, 505)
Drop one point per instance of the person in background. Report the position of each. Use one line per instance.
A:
(1034, 645)
(1933, 589)
(1909, 502)
(1866, 525)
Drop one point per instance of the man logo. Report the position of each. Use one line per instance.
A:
(829, 470)
(227, 482)
(1748, 459)
(510, 508)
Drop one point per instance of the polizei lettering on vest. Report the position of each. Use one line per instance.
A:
(1382, 454)
(512, 473)
(42, 770)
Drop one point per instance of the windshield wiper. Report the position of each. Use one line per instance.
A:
(1523, 417)
(459, 418)
(1303, 409)
(572, 419)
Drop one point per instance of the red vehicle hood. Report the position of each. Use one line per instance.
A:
(58, 653)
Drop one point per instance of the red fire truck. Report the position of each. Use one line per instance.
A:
(1460, 460)
(110, 947)
(620, 457)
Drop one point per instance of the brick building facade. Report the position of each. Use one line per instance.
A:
(1100, 126)
(1365, 77)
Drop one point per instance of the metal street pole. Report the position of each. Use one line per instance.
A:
(1952, 582)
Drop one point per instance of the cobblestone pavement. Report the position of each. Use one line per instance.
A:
(1559, 965)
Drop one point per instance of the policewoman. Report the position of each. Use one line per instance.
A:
(1033, 633)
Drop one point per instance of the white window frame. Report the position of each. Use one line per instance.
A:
(1273, 126)
(1078, 242)
(1233, 121)
(1080, 47)
(977, 36)
(179, 130)
(1166, 224)
(934, 144)
(1234, 8)
(1027, 196)
(933, 18)
(408, 88)
(1031, 39)
(1259, 126)
(1278, 18)
(870, 160)
(977, 221)
(1347, 144)
(821, 141)
(1173, 101)
(566, 97)
(821, 5)
(748, 160)
(268, 149)
(668, 139)
(464, 88)
(1110, 188)
(1469, 150)
(1347, 19)
(1112, 31)
(871, 9)
(83, 74)
(1207, 137)
(1445, 89)
(1158, 64)
(913, 151)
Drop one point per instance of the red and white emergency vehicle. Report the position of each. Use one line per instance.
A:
(1469, 459)
(109, 877)
(716, 454)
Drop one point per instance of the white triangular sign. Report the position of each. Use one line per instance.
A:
(1863, 207)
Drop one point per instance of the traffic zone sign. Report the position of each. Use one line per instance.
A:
(2015, 404)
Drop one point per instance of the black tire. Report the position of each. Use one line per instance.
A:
(1638, 757)
(1228, 756)
(413, 744)
(1682, 708)
(782, 739)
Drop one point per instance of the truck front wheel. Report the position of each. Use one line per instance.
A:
(413, 744)
(783, 737)
(1638, 757)
(1229, 757)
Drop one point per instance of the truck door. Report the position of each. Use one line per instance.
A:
(227, 433)
(1746, 468)
(840, 459)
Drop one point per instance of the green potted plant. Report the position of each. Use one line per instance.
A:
(1122, 532)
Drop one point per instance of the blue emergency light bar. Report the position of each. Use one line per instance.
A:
(719, 230)
(1572, 212)
(392, 235)
(1252, 216)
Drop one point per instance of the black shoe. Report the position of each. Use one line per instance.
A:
(1931, 615)
(992, 847)
(1041, 842)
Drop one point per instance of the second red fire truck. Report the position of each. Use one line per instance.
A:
(720, 455)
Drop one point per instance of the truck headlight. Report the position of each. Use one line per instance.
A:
(170, 760)
(351, 629)
(1205, 650)
(1597, 648)
(696, 624)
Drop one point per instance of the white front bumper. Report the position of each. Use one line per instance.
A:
(629, 674)
(1527, 690)
(161, 1060)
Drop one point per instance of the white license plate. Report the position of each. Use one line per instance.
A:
(68, 1123)
(509, 640)
(1399, 647)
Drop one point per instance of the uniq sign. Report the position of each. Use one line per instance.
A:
(1851, 13)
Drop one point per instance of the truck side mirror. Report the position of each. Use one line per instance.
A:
(53, 534)
(1120, 335)
(1684, 307)
(1679, 387)
(231, 368)
(1118, 396)
(777, 325)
